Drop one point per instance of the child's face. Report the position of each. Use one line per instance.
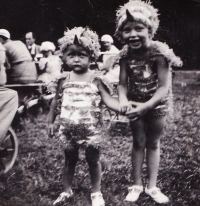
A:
(136, 35)
(77, 58)
(46, 53)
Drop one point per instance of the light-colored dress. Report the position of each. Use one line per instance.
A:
(80, 113)
(51, 68)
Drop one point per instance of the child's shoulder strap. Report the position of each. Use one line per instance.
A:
(52, 86)
(99, 77)
(159, 48)
(64, 75)
(123, 53)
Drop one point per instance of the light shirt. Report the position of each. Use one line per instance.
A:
(32, 49)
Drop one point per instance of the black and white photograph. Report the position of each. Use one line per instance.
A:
(99, 102)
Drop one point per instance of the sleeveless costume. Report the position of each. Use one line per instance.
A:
(143, 78)
(80, 113)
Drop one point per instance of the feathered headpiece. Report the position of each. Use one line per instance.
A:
(137, 10)
(84, 37)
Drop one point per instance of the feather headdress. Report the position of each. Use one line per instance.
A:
(137, 10)
(84, 37)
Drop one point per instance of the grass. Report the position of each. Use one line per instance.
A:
(36, 178)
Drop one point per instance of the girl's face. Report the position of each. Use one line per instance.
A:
(136, 35)
(77, 58)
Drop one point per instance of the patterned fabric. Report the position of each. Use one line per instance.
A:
(143, 82)
(80, 114)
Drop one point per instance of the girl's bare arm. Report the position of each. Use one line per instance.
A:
(52, 114)
(122, 87)
(163, 82)
(109, 101)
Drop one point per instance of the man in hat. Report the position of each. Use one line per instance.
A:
(20, 68)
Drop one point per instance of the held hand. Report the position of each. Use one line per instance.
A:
(124, 106)
(138, 110)
(51, 130)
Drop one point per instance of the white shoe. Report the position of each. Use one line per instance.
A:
(97, 199)
(63, 197)
(134, 193)
(157, 195)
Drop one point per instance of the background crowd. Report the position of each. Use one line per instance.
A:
(28, 62)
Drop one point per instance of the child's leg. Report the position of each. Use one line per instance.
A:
(139, 141)
(71, 158)
(154, 131)
(92, 157)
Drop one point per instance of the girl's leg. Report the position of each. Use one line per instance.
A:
(139, 141)
(71, 158)
(92, 157)
(154, 131)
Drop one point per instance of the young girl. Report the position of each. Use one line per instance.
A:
(79, 94)
(145, 79)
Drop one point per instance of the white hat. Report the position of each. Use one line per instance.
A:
(47, 45)
(107, 37)
(4, 32)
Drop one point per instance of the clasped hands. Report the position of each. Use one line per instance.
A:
(133, 110)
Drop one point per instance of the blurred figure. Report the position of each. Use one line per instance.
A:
(108, 63)
(109, 51)
(19, 65)
(33, 48)
(50, 64)
(8, 97)
(59, 43)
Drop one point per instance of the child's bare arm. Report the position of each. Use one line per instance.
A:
(109, 101)
(122, 88)
(163, 82)
(52, 114)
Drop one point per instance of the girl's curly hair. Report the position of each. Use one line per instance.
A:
(139, 11)
(87, 38)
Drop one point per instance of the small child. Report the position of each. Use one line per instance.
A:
(50, 64)
(79, 93)
(145, 79)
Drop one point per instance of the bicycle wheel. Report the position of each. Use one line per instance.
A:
(8, 151)
(106, 118)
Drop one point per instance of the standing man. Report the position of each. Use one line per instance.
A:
(20, 68)
(33, 48)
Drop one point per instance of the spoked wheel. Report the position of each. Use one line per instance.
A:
(8, 151)
(106, 118)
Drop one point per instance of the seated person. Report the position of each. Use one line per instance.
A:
(33, 48)
(109, 52)
(58, 52)
(8, 97)
(19, 65)
(50, 64)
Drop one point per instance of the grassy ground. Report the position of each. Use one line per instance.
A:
(36, 178)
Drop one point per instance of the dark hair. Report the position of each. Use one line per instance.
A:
(33, 34)
(3, 37)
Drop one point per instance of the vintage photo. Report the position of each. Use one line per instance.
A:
(99, 103)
